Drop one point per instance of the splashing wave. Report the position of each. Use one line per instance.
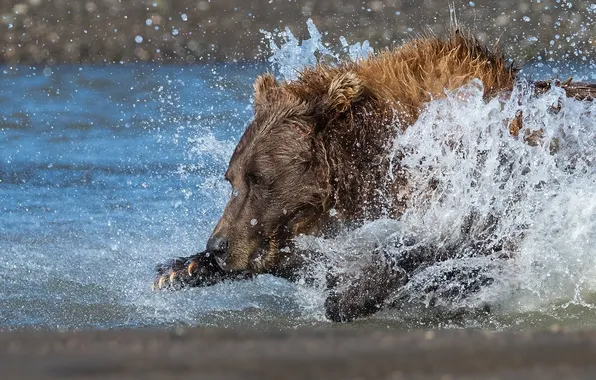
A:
(533, 207)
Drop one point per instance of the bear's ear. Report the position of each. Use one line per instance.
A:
(344, 90)
(263, 86)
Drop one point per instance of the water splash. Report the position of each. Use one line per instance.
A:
(540, 205)
(292, 55)
(543, 201)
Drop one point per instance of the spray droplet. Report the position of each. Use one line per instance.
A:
(184, 17)
(333, 212)
(253, 222)
(138, 39)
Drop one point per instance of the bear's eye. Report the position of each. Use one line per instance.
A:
(254, 179)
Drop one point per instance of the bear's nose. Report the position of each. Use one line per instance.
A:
(217, 245)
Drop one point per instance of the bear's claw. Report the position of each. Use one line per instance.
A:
(191, 267)
(170, 281)
(175, 274)
(163, 282)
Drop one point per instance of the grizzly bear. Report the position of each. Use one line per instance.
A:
(315, 159)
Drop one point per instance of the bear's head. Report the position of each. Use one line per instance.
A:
(280, 173)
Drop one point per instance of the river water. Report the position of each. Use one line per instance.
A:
(107, 170)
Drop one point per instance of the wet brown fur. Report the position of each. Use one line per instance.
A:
(316, 154)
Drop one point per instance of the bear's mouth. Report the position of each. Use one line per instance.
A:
(220, 260)
(258, 257)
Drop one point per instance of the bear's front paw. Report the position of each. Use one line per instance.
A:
(197, 270)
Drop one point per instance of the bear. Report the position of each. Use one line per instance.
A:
(314, 160)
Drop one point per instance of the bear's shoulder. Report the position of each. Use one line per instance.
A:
(412, 74)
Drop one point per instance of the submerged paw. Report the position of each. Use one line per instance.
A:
(350, 304)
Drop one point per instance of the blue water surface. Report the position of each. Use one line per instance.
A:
(105, 171)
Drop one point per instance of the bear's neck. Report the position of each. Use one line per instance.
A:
(367, 181)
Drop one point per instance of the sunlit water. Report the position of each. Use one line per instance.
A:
(106, 171)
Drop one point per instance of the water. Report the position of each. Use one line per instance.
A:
(106, 171)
